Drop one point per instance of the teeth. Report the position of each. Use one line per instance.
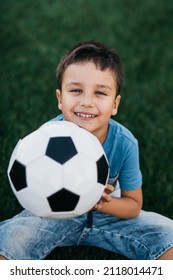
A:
(85, 115)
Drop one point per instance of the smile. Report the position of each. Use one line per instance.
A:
(84, 115)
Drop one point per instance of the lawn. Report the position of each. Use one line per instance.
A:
(34, 36)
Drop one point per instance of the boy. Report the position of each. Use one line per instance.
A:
(89, 80)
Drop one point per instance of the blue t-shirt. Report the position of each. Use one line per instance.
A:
(121, 149)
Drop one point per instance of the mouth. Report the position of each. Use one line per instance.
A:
(85, 115)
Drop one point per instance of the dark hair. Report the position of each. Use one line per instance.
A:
(103, 57)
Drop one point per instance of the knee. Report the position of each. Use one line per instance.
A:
(2, 258)
(168, 255)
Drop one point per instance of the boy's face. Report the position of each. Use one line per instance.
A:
(88, 97)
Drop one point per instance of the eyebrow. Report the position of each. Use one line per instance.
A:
(80, 84)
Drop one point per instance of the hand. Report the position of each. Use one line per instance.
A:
(105, 197)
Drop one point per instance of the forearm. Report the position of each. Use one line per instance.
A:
(123, 207)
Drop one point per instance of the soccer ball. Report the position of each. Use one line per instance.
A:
(58, 171)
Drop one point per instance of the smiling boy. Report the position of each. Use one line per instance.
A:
(89, 82)
(88, 97)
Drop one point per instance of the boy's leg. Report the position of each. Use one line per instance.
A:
(27, 236)
(168, 255)
(148, 236)
(2, 258)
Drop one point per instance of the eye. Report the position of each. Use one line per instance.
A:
(100, 92)
(76, 90)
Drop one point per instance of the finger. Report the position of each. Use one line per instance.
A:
(98, 206)
(106, 197)
(109, 188)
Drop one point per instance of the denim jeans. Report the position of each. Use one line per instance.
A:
(28, 237)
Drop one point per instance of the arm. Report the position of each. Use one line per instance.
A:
(127, 206)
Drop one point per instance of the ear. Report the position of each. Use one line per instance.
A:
(116, 105)
(59, 98)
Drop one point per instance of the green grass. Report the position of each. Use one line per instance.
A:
(34, 36)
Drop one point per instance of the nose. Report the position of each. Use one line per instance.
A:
(86, 100)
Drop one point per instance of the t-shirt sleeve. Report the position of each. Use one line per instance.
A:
(130, 177)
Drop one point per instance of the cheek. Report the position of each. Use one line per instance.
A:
(67, 105)
(68, 99)
(107, 107)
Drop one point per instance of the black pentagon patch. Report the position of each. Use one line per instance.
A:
(18, 175)
(102, 170)
(63, 201)
(61, 149)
